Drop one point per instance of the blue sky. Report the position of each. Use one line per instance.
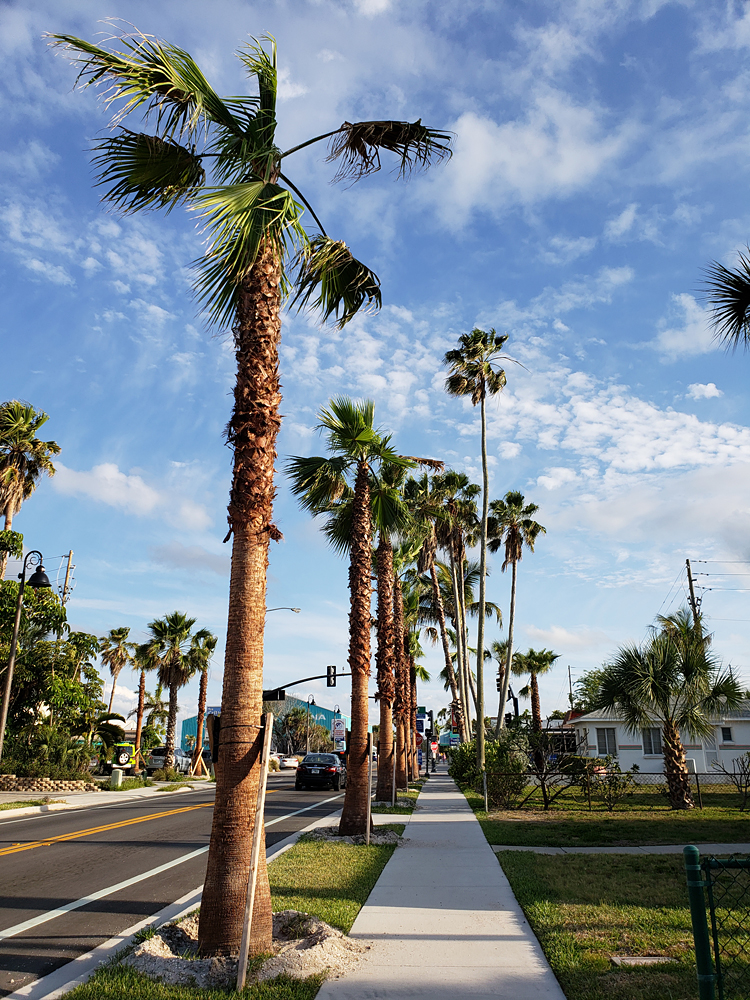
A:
(601, 161)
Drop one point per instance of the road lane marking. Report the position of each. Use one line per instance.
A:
(84, 900)
(48, 841)
(42, 918)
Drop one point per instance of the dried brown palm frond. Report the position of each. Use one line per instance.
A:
(358, 146)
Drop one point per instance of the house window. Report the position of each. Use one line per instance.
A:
(606, 742)
(726, 734)
(651, 742)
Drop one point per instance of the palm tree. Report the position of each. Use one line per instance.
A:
(673, 681)
(116, 652)
(322, 484)
(512, 525)
(142, 660)
(534, 662)
(728, 292)
(171, 645)
(258, 251)
(201, 650)
(23, 460)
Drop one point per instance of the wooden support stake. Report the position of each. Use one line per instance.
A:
(258, 837)
(369, 788)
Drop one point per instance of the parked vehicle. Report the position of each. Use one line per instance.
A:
(289, 763)
(155, 760)
(319, 770)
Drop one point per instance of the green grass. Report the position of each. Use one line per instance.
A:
(176, 788)
(404, 808)
(328, 879)
(21, 804)
(120, 983)
(584, 909)
(644, 819)
(128, 784)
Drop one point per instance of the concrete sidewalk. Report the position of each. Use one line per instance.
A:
(443, 921)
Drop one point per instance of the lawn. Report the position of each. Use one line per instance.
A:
(641, 820)
(585, 909)
(23, 803)
(329, 880)
(407, 800)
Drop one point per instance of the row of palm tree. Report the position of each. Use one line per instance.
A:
(177, 653)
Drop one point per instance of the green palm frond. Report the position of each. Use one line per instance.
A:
(342, 283)
(239, 219)
(144, 171)
(728, 293)
(357, 146)
(156, 77)
(319, 482)
(262, 65)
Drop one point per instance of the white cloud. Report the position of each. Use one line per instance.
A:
(622, 224)
(699, 390)
(556, 477)
(692, 334)
(193, 557)
(559, 638)
(51, 272)
(370, 8)
(564, 250)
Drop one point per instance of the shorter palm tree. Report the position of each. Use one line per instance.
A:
(116, 652)
(671, 682)
(201, 650)
(534, 662)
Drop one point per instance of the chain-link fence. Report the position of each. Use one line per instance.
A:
(719, 890)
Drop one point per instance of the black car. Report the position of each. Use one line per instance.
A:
(319, 770)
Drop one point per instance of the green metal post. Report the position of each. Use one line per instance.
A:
(695, 886)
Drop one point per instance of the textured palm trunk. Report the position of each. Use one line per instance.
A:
(401, 703)
(384, 660)
(8, 514)
(460, 654)
(413, 680)
(252, 432)
(437, 598)
(202, 691)
(354, 814)
(536, 705)
(509, 650)
(675, 769)
(139, 715)
(171, 727)
(482, 574)
(115, 675)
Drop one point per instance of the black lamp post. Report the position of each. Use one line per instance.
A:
(37, 579)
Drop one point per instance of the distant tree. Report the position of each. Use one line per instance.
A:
(116, 652)
(586, 690)
(534, 662)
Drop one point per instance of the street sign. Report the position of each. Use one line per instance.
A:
(434, 747)
(419, 739)
(338, 729)
(419, 757)
(455, 740)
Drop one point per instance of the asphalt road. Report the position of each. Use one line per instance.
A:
(48, 862)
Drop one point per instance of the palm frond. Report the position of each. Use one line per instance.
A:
(319, 482)
(154, 76)
(728, 293)
(357, 146)
(144, 171)
(343, 284)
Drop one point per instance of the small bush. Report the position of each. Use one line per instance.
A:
(609, 783)
(167, 774)
(273, 764)
(128, 784)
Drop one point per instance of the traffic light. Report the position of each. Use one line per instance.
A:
(499, 681)
(331, 675)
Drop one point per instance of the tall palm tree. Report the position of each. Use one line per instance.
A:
(143, 660)
(534, 662)
(512, 525)
(171, 644)
(672, 680)
(322, 483)
(201, 650)
(116, 652)
(24, 458)
(474, 371)
(258, 251)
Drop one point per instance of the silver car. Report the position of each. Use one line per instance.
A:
(159, 754)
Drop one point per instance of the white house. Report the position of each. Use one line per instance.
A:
(602, 733)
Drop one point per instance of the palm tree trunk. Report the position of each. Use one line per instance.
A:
(482, 574)
(198, 751)
(536, 707)
(171, 727)
(675, 769)
(460, 653)
(354, 814)
(509, 651)
(440, 609)
(8, 514)
(139, 716)
(115, 675)
(384, 660)
(401, 702)
(413, 685)
(252, 431)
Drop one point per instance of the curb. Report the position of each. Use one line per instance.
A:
(79, 969)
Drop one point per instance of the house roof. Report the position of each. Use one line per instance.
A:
(735, 715)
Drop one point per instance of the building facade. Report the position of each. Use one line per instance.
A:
(602, 733)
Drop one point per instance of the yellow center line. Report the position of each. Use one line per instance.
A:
(49, 841)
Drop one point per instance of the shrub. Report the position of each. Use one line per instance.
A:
(463, 763)
(167, 774)
(610, 783)
(273, 764)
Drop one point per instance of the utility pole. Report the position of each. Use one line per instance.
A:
(65, 593)
(570, 687)
(693, 603)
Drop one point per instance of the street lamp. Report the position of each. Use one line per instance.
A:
(310, 701)
(37, 579)
(295, 610)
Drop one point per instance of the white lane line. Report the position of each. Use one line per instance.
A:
(27, 925)
(84, 900)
